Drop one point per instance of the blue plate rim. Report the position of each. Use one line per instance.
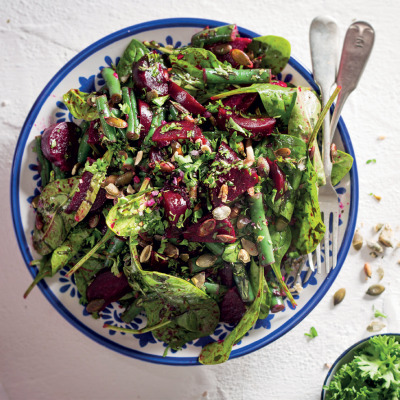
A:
(347, 351)
(19, 231)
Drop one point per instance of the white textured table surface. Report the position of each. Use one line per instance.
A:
(43, 357)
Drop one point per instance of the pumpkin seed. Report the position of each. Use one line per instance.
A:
(375, 246)
(171, 251)
(130, 189)
(116, 122)
(112, 190)
(94, 220)
(283, 152)
(367, 270)
(124, 179)
(205, 148)
(207, 227)
(386, 236)
(95, 305)
(206, 260)
(199, 279)
(139, 157)
(250, 247)
(146, 254)
(184, 257)
(234, 212)
(221, 213)
(381, 272)
(357, 240)
(339, 296)
(222, 49)
(225, 238)
(242, 222)
(223, 193)
(375, 326)
(376, 290)
(244, 256)
(240, 57)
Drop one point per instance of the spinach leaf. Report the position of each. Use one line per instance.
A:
(265, 292)
(133, 53)
(281, 242)
(342, 163)
(278, 101)
(70, 247)
(274, 50)
(190, 312)
(44, 271)
(52, 203)
(309, 228)
(76, 102)
(85, 275)
(219, 352)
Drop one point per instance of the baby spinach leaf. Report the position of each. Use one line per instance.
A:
(85, 275)
(53, 200)
(76, 102)
(192, 313)
(342, 163)
(44, 271)
(274, 50)
(70, 247)
(133, 53)
(309, 228)
(219, 352)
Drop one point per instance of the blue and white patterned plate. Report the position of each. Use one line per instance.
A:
(83, 72)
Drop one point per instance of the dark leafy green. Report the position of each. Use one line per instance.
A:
(133, 53)
(274, 50)
(78, 106)
(309, 228)
(342, 163)
(85, 275)
(52, 203)
(219, 352)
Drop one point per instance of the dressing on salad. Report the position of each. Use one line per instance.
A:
(186, 187)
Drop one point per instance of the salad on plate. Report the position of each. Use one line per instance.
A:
(186, 189)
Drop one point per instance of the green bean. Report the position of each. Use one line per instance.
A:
(104, 112)
(133, 129)
(58, 173)
(242, 282)
(112, 82)
(44, 163)
(226, 33)
(239, 76)
(84, 147)
(131, 312)
(215, 290)
(215, 248)
(114, 248)
(158, 117)
(261, 232)
(173, 113)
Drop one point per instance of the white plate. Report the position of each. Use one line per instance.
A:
(83, 72)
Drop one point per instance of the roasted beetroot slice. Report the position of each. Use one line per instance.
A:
(149, 75)
(158, 262)
(80, 195)
(182, 97)
(60, 145)
(174, 205)
(238, 43)
(145, 117)
(100, 200)
(181, 130)
(258, 127)
(155, 157)
(278, 178)
(209, 230)
(93, 134)
(240, 102)
(108, 287)
(242, 179)
(232, 307)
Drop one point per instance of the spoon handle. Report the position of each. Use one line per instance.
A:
(356, 50)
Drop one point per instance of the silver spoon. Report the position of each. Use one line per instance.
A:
(357, 47)
(324, 46)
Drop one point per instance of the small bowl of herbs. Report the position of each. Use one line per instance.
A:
(370, 369)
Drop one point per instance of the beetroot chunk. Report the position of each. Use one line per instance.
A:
(145, 117)
(257, 127)
(181, 96)
(181, 130)
(108, 287)
(232, 307)
(60, 145)
(240, 102)
(175, 206)
(210, 230)
(148, 75)
(278, 178)
(242, 179)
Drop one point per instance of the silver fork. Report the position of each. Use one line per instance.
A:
(324, 51)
